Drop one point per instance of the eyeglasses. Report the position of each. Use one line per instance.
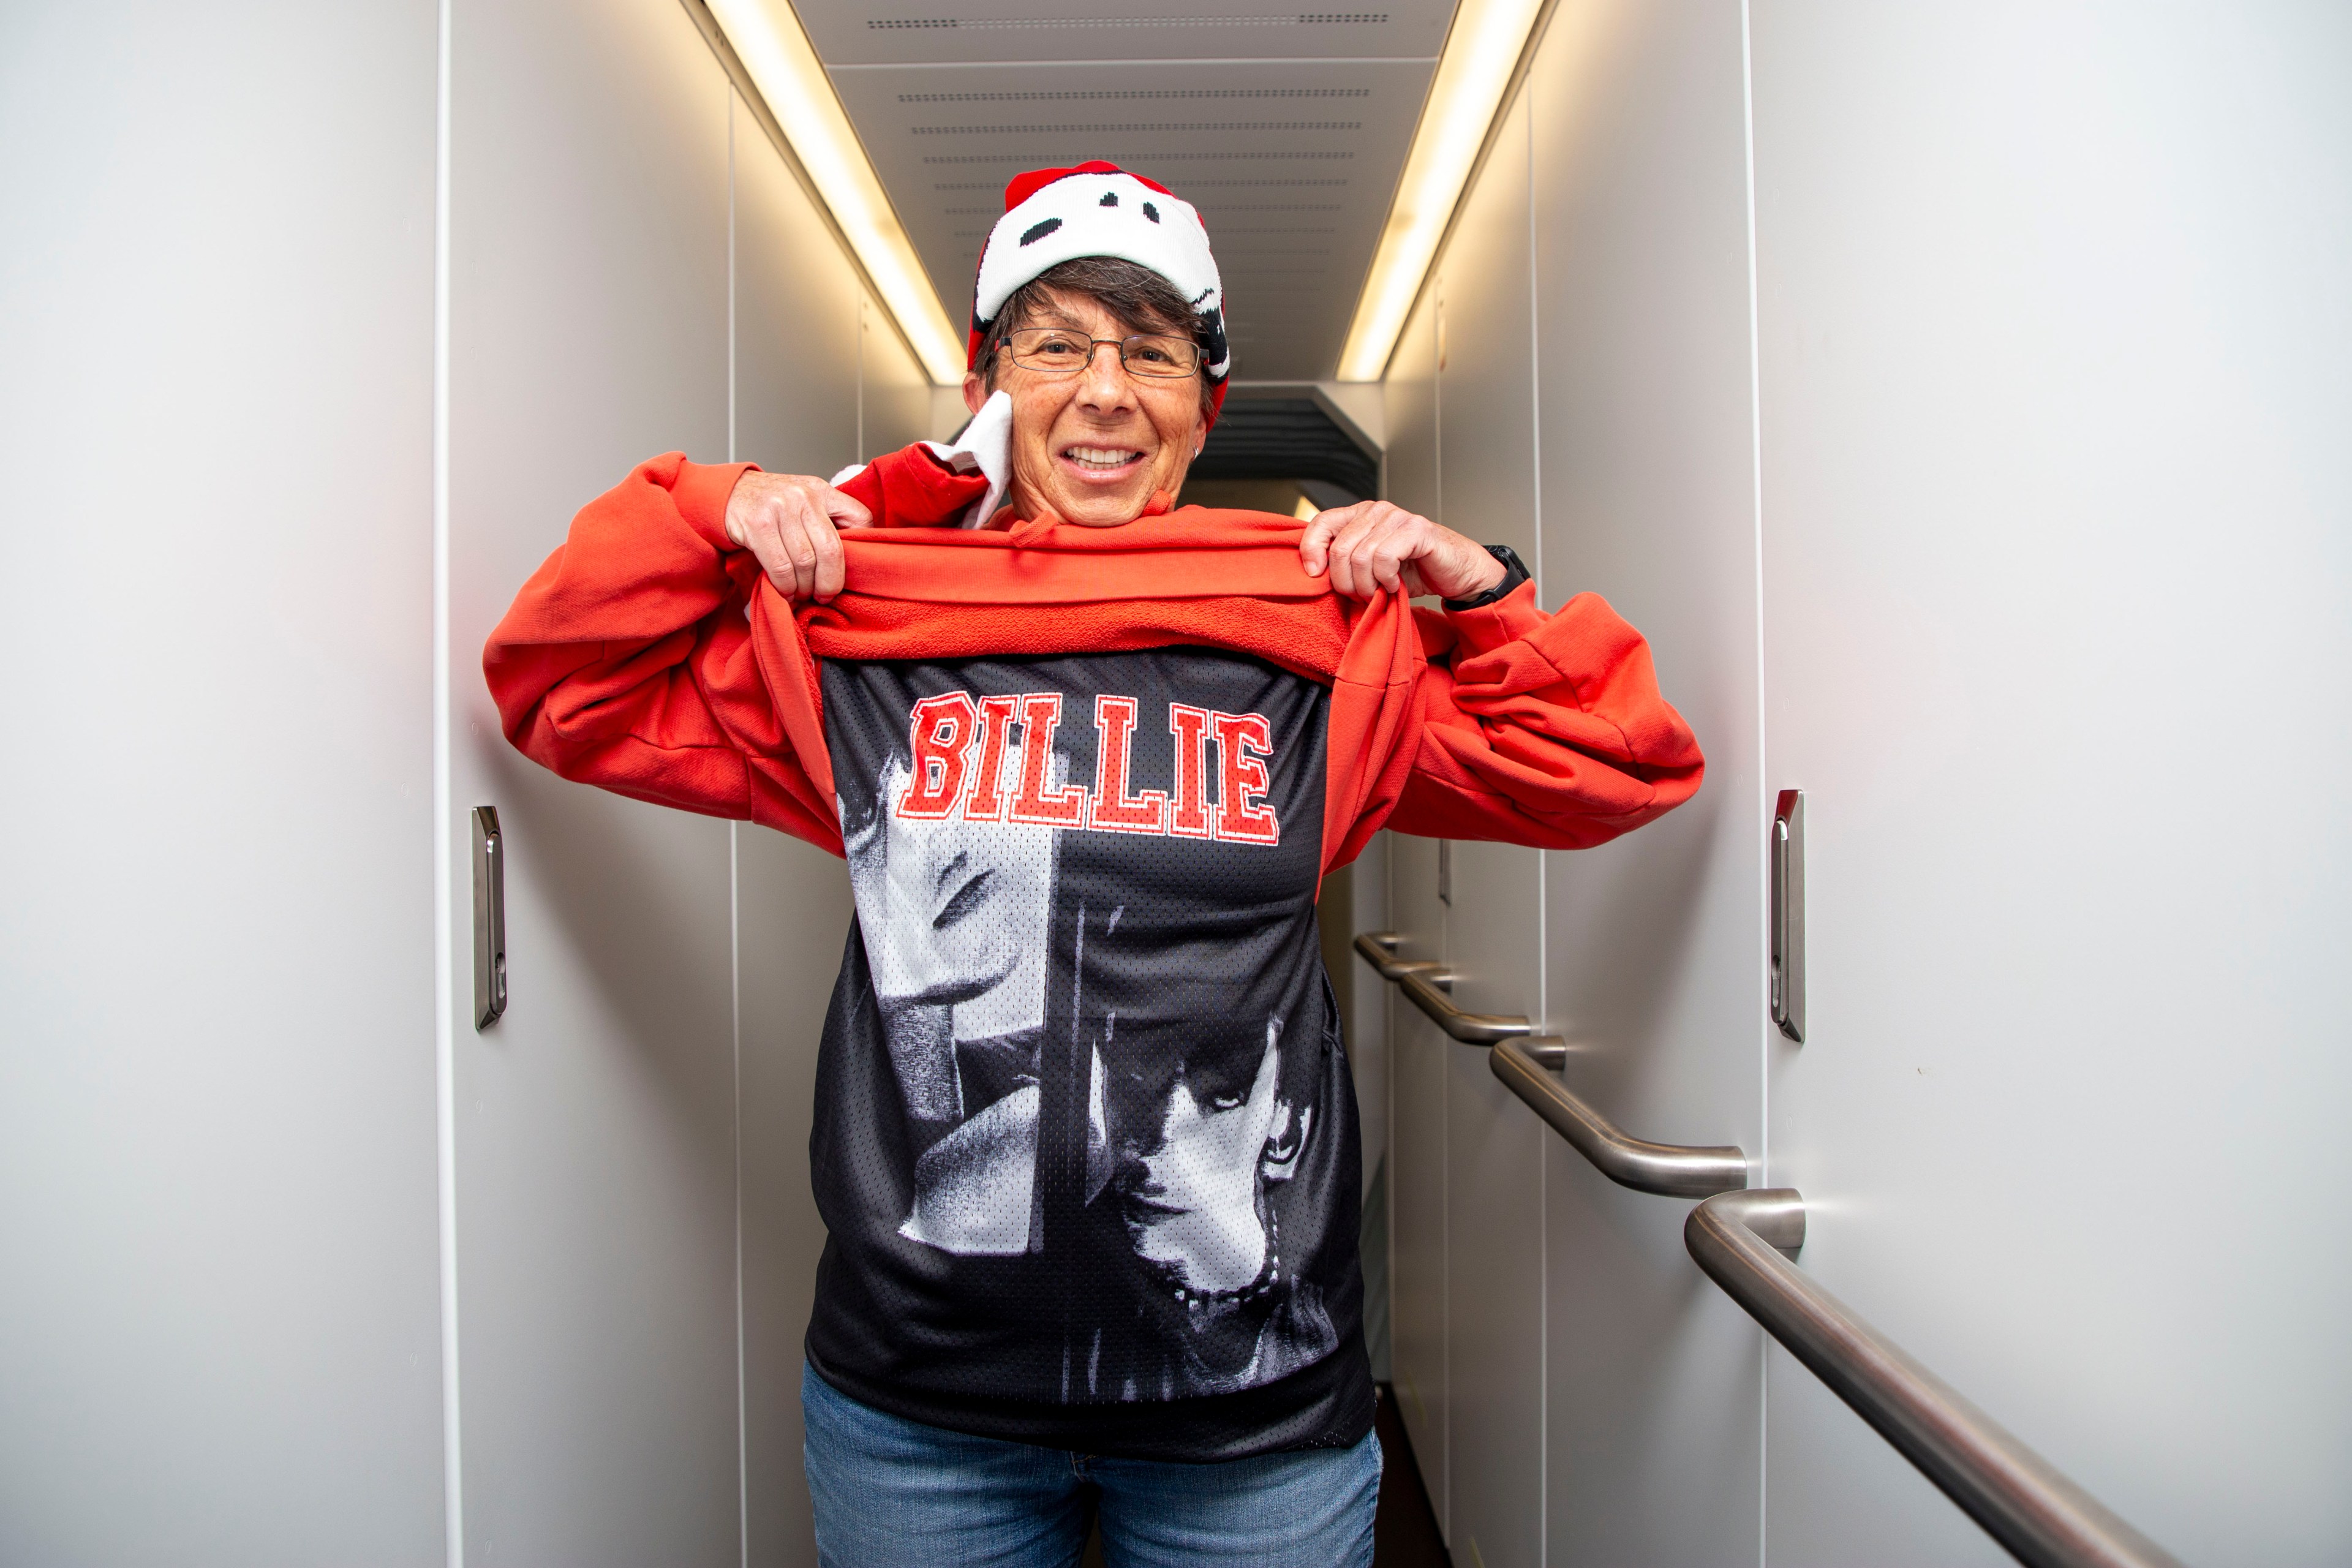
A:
(1057, 351)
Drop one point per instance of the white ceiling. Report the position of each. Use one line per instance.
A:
(1287, 129)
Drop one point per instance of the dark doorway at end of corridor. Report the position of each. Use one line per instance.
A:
(1404, 1533)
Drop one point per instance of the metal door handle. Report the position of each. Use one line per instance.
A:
(489, 918)
(1787, 919)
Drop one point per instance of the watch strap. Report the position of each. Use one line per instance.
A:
(1515, 571)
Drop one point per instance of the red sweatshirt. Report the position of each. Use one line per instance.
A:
(1085, 1144)
(650, 656)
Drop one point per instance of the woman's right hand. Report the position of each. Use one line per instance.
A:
(791, 523)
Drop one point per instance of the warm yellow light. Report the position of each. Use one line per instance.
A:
(1480, 53)
(1305, 510)
(767, 38)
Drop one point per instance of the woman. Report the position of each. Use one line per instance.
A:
(1085, 1144)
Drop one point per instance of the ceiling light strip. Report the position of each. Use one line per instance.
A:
(1480, 59)
(767, 38)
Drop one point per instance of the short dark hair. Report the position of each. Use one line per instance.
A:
(1142, 299)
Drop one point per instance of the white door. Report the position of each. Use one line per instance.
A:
(595, 1122)
(219, 1325)
(1654, 944)
(2036, 590)
(1418, 1271)
(1592, 411)
(632, 270)
(2057, 550)
(1493, 923)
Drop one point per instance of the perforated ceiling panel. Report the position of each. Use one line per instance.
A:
(1287, 129)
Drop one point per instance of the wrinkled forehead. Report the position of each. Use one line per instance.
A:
(1071, 308)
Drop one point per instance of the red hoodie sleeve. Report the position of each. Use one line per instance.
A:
(628, 661)
(1542, 730)
(912, 487)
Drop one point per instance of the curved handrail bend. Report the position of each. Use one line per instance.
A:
(1669, 1170)
(1522, 1059)
(2039, 1517)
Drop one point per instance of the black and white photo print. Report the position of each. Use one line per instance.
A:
(1084, 1027)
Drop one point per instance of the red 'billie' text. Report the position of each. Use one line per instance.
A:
(968, 764)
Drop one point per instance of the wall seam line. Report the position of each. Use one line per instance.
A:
(1445, 952)
(445, 1032)
(1755, 484)
(1543, 884)
(735, 941)
(743, 1379)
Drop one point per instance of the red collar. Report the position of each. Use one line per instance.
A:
(1194, 552)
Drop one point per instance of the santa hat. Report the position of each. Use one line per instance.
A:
(1052, 215)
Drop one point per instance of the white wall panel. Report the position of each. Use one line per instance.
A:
(218, 1310)
(894, 395)
(1654, 942)
(1417, 1076)
(2054, 356)
(1366, 997)
(793, 902)
(596, 1172)
(795, 412)
(1494, 1147)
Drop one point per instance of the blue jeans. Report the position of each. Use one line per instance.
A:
(894, 1493)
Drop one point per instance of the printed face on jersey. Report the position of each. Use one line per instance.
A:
(1213, 1143)
(956, 916)
(960, 909)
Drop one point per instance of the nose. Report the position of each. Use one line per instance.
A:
(1105, 383)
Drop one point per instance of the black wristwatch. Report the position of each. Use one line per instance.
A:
(1515, 571)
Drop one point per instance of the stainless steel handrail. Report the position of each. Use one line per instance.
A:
(1670, 1170)
(1426, 989)
(1378, 948)
(2038, 1516)
(1525, 1061)
(1426, 985)
(1738, 1237)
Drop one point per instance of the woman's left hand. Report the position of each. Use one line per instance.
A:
(1373, 545)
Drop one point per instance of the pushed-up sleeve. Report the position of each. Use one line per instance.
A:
(1542, 730)
(629, 661)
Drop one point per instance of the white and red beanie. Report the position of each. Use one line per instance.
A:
(1052, 215)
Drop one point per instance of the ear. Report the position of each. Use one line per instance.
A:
(975, 392)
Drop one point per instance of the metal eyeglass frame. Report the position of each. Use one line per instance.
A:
(1119, 344)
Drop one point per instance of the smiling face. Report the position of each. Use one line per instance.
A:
(1091, 446)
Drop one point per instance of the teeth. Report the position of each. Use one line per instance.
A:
(1100, 456)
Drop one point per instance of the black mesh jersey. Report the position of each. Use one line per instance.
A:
(1085, 1142)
